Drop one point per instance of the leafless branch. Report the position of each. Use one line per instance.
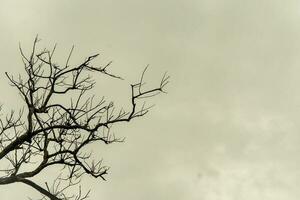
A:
(49, 133)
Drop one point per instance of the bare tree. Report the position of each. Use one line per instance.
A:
(49, 132)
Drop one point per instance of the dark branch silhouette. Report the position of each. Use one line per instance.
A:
(49, 132)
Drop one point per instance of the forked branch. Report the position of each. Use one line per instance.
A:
(51, 133)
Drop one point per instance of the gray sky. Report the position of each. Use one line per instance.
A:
(229, 127)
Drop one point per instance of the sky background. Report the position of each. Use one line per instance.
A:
(228, 129)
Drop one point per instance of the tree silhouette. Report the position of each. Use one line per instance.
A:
(51, 132)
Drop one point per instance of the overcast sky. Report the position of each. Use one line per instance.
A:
(229, 128)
